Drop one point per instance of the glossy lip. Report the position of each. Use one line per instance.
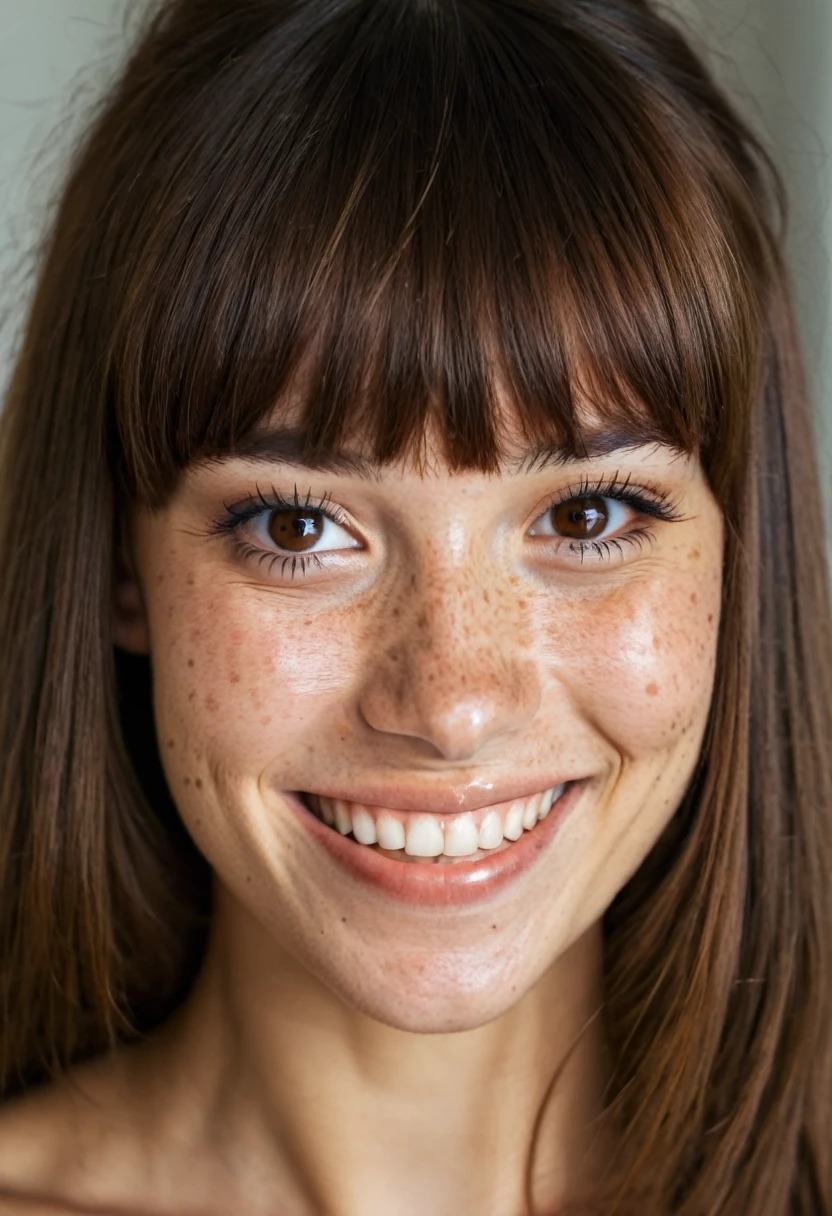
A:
(440, 801)
(439, 885)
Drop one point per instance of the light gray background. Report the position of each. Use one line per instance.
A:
(775, 56)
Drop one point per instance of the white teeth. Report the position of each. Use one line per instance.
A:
(461, 837)
(425, 837)
(390, 832)
(513, 827)
(363, 826)
(491, 831)
(550, 797)
(343, 818)
(531, 812)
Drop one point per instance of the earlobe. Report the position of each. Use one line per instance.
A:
(130, 631)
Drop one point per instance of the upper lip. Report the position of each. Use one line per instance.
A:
(447, 800)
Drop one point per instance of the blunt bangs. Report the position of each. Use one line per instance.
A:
(426, 209)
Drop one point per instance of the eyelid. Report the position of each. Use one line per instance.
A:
(644, 498)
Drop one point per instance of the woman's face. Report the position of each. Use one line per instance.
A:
(455, 642)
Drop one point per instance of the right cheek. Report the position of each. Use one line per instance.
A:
(252, 695)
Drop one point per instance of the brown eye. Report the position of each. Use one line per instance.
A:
(581, 518)
(295, 530)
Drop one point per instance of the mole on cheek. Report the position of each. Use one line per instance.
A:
(211, 703)
(652, 689)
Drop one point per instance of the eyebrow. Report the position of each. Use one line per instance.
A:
(285, 446)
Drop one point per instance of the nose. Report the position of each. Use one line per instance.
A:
(454, 673)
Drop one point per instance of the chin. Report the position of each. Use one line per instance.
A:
(437, 1000)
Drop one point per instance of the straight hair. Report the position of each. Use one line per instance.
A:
(402, 205)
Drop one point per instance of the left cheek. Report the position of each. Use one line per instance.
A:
(653, 677)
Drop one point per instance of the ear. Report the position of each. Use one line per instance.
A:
(130, 630)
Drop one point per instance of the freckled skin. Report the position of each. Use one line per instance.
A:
(451, 645)
(406, 662)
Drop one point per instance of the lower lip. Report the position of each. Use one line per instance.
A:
(439, 885)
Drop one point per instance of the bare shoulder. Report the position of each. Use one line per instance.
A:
(61, 1145)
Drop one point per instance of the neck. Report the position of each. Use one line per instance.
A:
(356, 1117)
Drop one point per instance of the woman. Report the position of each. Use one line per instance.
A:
(416, 698)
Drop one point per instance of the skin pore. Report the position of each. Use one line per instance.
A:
(343, 1052)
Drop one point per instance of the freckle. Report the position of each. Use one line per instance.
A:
(493, 926)
(190, 580)
(187, 781)
(211, 703)
(248, 878)
(160, 578)
(485, 597)
(235, 677)
(422, 621)
(190, 662)
(198, 783)
(265, 721)
(652, 689)
(693, 597)
(657, 643)
(171, 743)
(694, 553)
(343, 920)
(394, 612)
(710, 618)
(195, 633)
(521, 603)
(192, 694)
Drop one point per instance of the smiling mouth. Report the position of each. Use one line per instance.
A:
(426, 838)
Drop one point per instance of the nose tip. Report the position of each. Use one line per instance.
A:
(455, 706)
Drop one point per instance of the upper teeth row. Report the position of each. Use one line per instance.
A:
(427, 835)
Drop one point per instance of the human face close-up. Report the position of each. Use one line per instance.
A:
(456, 642)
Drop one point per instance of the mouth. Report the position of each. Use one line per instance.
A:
(426, 838)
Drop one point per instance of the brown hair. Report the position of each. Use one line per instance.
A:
(414, 198)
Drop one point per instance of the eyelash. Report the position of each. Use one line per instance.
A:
(648, 501)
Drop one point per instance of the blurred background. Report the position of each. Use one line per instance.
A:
(774, 57)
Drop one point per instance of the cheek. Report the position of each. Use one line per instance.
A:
(237, 686)
(644, 675)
